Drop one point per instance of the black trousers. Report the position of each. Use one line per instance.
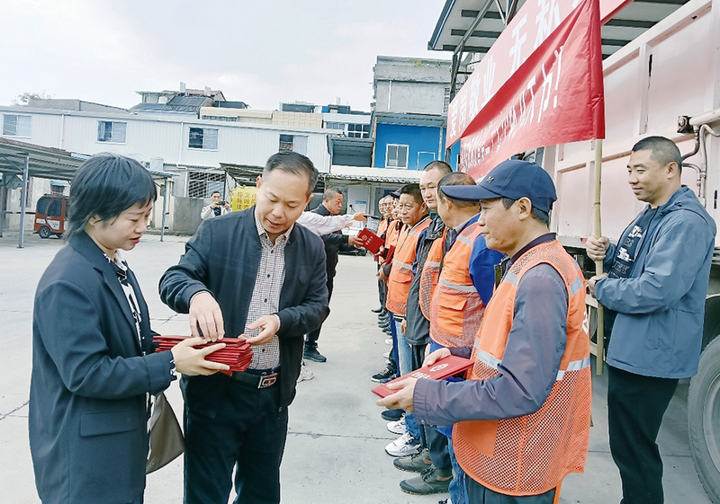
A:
(249, 431)
(382, 291)
(312, 337)
(636, 405)
(478, 494)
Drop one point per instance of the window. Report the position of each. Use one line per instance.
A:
(54, 209)
(203, 138)
(295, 143)
(220, 118)
(111, 131)
(202, 184)
(358, 130)
(16, 125)
(446, 100)
(397, 156)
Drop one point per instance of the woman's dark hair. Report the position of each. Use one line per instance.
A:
(106, 185)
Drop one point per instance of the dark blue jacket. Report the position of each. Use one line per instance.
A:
(659, 325)
(223, 257)
(87, 413)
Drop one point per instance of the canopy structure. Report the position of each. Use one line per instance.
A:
(29, 160)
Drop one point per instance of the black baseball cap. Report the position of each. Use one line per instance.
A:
(395, 194)
(512, 179)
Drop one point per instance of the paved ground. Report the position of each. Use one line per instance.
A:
(336, 436)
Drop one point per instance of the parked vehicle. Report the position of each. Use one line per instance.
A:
(665, 82)
(51, 215)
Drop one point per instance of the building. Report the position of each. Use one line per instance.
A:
(183, 133)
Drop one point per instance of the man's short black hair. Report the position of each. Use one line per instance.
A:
(216, 192)
(330, 193)
(455, 179)
(292, 162)
(663, 150)
(414, 191)
(438, 165)
(105, 186)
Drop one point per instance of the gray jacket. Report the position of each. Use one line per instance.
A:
(661, 306)
(418, 327)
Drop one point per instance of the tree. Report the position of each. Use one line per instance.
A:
(24, 98)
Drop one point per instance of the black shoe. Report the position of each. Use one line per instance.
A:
(383, 376)
(387, 331)
(313, 355)
(377, 310)
(383, 325)
(392, 415)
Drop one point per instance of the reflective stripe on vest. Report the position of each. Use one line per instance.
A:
(401, 274)
(456, 308)
(531, 454)
(430, 274)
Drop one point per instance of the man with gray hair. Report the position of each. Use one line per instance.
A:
(334, 242)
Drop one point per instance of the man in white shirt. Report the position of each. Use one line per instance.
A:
(326, 224)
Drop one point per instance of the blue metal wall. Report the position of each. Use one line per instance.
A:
(420, 140)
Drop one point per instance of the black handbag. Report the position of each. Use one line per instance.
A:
(166, 438)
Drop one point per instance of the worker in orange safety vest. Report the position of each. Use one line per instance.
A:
(414, 214)
(522, 418)
(459, 279)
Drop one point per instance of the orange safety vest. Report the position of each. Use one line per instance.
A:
(431, 273)
(456, 309)
(531, 454)
(401, 274)
(382, 228)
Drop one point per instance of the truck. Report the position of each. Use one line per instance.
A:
(665, 82)
(662, 79)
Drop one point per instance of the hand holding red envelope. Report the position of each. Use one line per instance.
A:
(237, 352)
(441, 369)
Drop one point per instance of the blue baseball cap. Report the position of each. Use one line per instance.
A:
(510, 179)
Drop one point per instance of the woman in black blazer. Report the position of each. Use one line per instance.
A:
(93, 361)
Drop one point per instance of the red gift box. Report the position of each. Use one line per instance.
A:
(444, 368)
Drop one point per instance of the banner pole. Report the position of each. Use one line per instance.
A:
(599, 264)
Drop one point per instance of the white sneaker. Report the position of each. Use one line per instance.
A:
(386, 355)
(305, 373)
(403, 446)
(388, 341)
(398, 427)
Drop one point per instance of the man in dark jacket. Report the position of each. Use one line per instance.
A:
(334, 242)
(654, 295)
(253, 274)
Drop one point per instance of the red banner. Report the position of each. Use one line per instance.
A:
(555, 96)
(532, 25)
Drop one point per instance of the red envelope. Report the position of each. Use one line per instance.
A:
(444, 368)
(370, 240)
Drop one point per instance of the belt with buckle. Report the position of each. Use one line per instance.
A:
(260, 378)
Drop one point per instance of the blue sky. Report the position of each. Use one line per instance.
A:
(258, 52)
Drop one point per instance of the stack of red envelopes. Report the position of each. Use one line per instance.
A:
(237, 352)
